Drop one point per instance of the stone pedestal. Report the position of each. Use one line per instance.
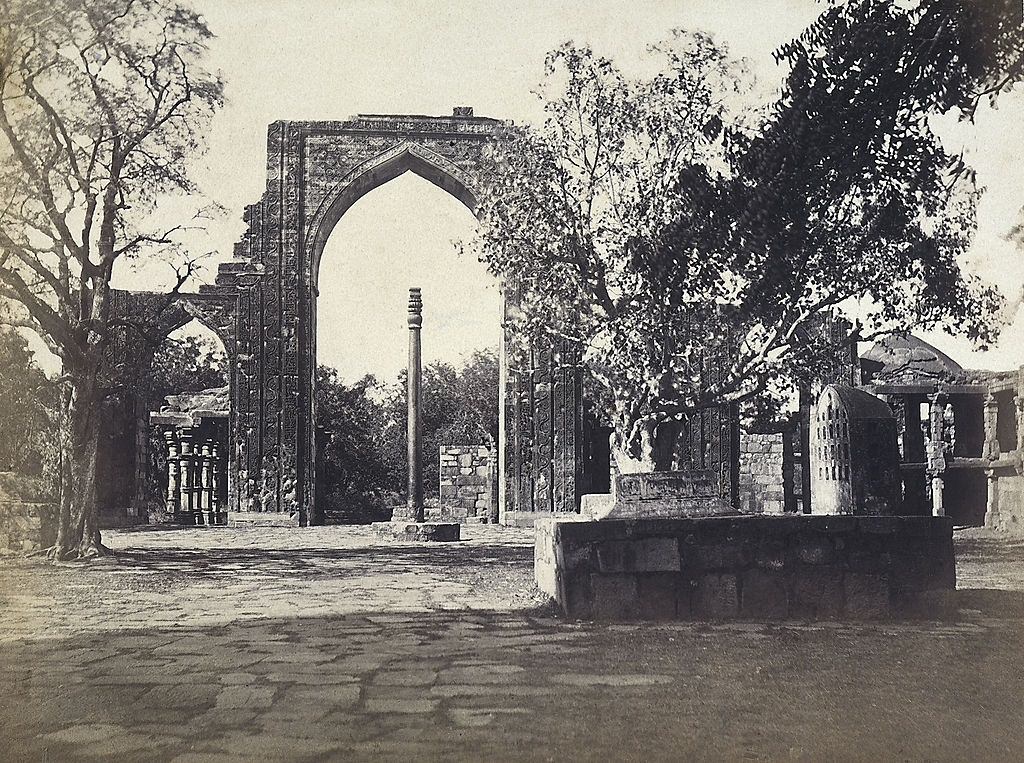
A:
(417, 531)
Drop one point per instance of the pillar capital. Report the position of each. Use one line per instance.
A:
(415, 308)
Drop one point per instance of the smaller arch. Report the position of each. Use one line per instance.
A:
(375, 172)
(212, 315)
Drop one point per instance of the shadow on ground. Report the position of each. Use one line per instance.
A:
(505, 683)
(515, 686)
(307, 562)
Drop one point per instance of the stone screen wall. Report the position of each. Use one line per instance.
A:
(467, 484)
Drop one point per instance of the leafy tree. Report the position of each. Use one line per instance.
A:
(474, 402)
(28, 408)
(459, 407)
(359, 472)
(102, 102)
(697, 254)
(190, 364)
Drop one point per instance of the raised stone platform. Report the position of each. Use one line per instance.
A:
(417, 531)
(748, 567)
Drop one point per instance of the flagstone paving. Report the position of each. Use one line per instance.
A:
(328, 644)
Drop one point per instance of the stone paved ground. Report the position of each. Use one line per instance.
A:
(324, 644)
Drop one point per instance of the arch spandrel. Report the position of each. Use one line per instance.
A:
(403, 157)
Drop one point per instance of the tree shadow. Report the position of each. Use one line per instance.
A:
(510, 685)
(309, 563)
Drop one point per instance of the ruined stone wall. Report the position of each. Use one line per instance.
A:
(26, 527)
(28, 520)
(467, 484)
(762, 479)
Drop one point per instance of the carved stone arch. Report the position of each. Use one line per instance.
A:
(217, 315)
(315, 172)
(407, 156)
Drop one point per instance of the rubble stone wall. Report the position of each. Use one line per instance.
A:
(753, 567)
(26, 527)
(762, 481)
(467, 484)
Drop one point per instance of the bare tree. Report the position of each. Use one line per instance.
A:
(102, 104)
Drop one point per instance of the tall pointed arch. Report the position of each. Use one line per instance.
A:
(407, 156)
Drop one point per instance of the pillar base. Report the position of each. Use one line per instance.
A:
(407, 514)
(417, 531)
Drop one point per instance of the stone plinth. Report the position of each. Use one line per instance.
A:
(748, 567)
(417, 531)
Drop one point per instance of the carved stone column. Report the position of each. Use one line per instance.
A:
(206, 483)
(173, 485)
(991, 448)
(216, 469)
(936, 450)
(187, 500)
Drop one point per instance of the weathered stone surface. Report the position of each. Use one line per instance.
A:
(664, 495)
(417, 531)
(716, 596)
(816, 593)
(644, 555)
(764, 595)
(868, 597)
(467, 481)
(26, 526)
(615, 596)
(749, 567)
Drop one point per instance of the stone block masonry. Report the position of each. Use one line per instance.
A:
(467, 484)
(750, 567)
(761, 479)
(1008, 516)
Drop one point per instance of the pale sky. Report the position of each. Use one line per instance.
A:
(312, 59)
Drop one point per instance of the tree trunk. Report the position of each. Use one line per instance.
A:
(78, 534)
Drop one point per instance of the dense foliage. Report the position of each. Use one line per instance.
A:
(361, 432)
(28, 409)
(699, 252)
(189, 364)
